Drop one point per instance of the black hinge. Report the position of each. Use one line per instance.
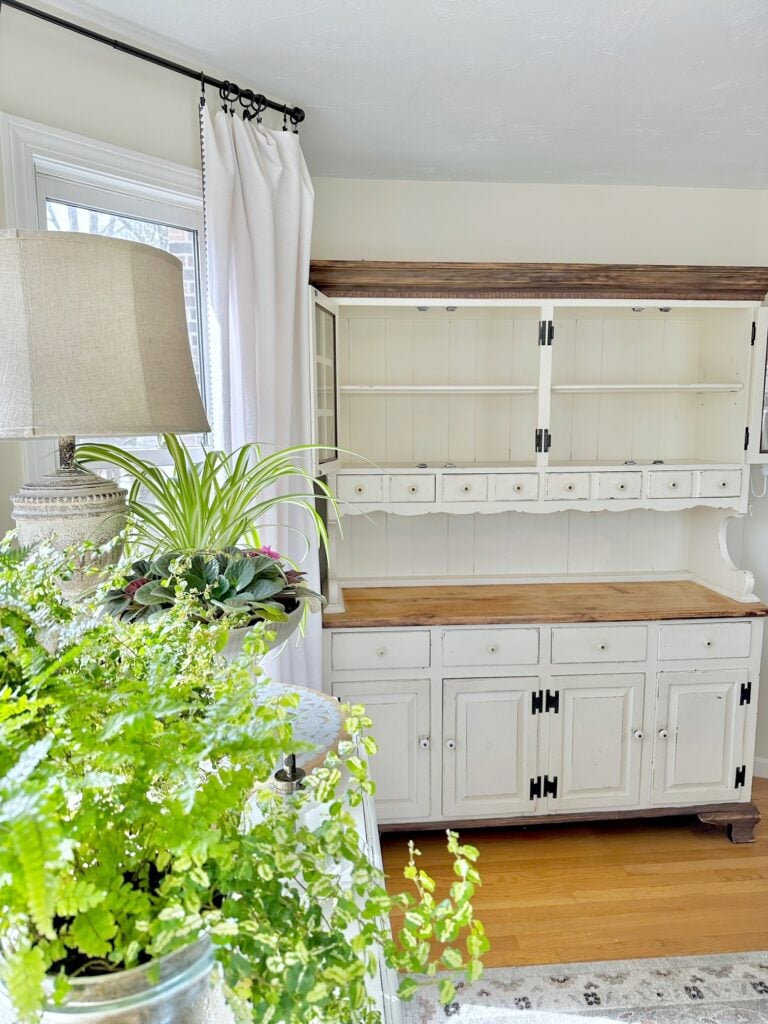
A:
(543, 439)
(542, 787)
(544, 701)
(754, 333)
(546, 332)
(550, 786)
(745, 694)
(746, 438)
(741, 776)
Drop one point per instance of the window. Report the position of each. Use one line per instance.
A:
(59, 181)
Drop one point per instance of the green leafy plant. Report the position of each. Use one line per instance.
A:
(217, 503)
(134, 817)
(246, 586)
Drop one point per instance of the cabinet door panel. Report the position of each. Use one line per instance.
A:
(594, 750)
(399, 710)
(489, 739)
(699, 737)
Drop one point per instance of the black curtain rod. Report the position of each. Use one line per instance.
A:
(228, 90)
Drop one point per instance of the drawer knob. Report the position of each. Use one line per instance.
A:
(492, 649)
(569, 487)
(451, 744)
(518, 487)
(723, 483)
(673, 484)
(413, 488)
(465, 488)
(359, 489)
(663, 734)
(382, 652)
(621, 487)
(603, 646)
(424, 742)
(638, 734)
(707, 643)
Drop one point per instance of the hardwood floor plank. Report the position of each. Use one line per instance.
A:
(555, 894)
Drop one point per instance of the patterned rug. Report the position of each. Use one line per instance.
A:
(729, 988)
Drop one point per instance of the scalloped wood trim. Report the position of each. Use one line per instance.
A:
(396, 279)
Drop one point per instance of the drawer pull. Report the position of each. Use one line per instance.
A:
(638, 734)
(707, 643)
(673, 484)
(359, 489)
(603, 646)
(492, 649)
(621, 486)
(569, 487)
(465, 488)
(663, 734)
(518, 487)
(413, 488)
(451, 744)
(424, 742)
(382, 652)
(723, 483)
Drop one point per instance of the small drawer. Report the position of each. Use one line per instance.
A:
(500, 646)
(385, 649)
(465, 487)
(696, 640)
(368, 487)
(411, 487)
(591, 644)
(619, 485)
(514, 487)
(720, 484)
(670, 484)
(568, 486)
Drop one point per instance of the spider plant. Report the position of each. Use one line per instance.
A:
(213, 504)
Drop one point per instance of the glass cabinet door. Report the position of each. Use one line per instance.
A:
(324, 375)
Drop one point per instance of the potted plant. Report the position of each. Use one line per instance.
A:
(217, 503)
(238, 588)
(141, 848)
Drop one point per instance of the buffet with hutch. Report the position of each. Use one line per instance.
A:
(530, 586)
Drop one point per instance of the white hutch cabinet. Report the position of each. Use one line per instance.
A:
(530, 586)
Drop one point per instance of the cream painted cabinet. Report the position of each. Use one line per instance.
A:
(489, 746)
(596, 741)
(399, 710)
(699, 736)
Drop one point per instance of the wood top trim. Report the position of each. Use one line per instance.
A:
(402, 279)
(497, 604)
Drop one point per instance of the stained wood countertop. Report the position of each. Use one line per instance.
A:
(369, 607)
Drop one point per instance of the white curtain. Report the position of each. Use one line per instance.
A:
(258, 218)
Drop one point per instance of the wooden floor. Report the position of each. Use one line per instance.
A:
(559, 894)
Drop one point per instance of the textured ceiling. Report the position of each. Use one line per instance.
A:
(653, 92)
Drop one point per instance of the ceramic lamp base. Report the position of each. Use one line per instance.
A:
(71, 507)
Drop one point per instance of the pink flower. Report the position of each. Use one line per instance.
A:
(133, 586)
(266, 550)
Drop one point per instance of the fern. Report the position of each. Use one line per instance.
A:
(23, 974)
(30, 838)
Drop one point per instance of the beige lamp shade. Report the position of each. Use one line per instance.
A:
(93, 339)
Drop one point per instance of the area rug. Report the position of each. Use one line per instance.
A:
(727, 988)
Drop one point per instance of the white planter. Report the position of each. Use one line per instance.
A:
(182, 994)
(282, 631)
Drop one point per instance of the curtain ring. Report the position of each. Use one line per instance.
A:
(285, 120)
(202, 86)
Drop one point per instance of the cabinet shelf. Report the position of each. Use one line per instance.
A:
(439, 389)
(612, 388)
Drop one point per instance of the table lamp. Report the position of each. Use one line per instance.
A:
(93, 342)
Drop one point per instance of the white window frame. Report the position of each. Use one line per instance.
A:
(40, 162)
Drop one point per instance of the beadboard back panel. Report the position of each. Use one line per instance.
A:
(512, 544)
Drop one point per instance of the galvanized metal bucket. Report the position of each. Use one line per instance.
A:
(180, 988)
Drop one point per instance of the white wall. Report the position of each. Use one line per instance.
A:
(60, 79)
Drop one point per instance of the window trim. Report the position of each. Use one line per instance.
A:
(31, 153)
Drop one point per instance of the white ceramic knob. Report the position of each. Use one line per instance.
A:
(638, 734)
(424, 742)
(621, 486)
(451, 744)
(707, 643)
(382, 651)
(465, 488)
(602, 646)
(569, 487)
(359, 489)
(518, 487)
(673, 484)
(412, 488)
(492, 649)
(663, 734)
(723, 483)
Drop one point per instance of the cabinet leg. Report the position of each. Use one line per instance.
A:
(740, 822)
